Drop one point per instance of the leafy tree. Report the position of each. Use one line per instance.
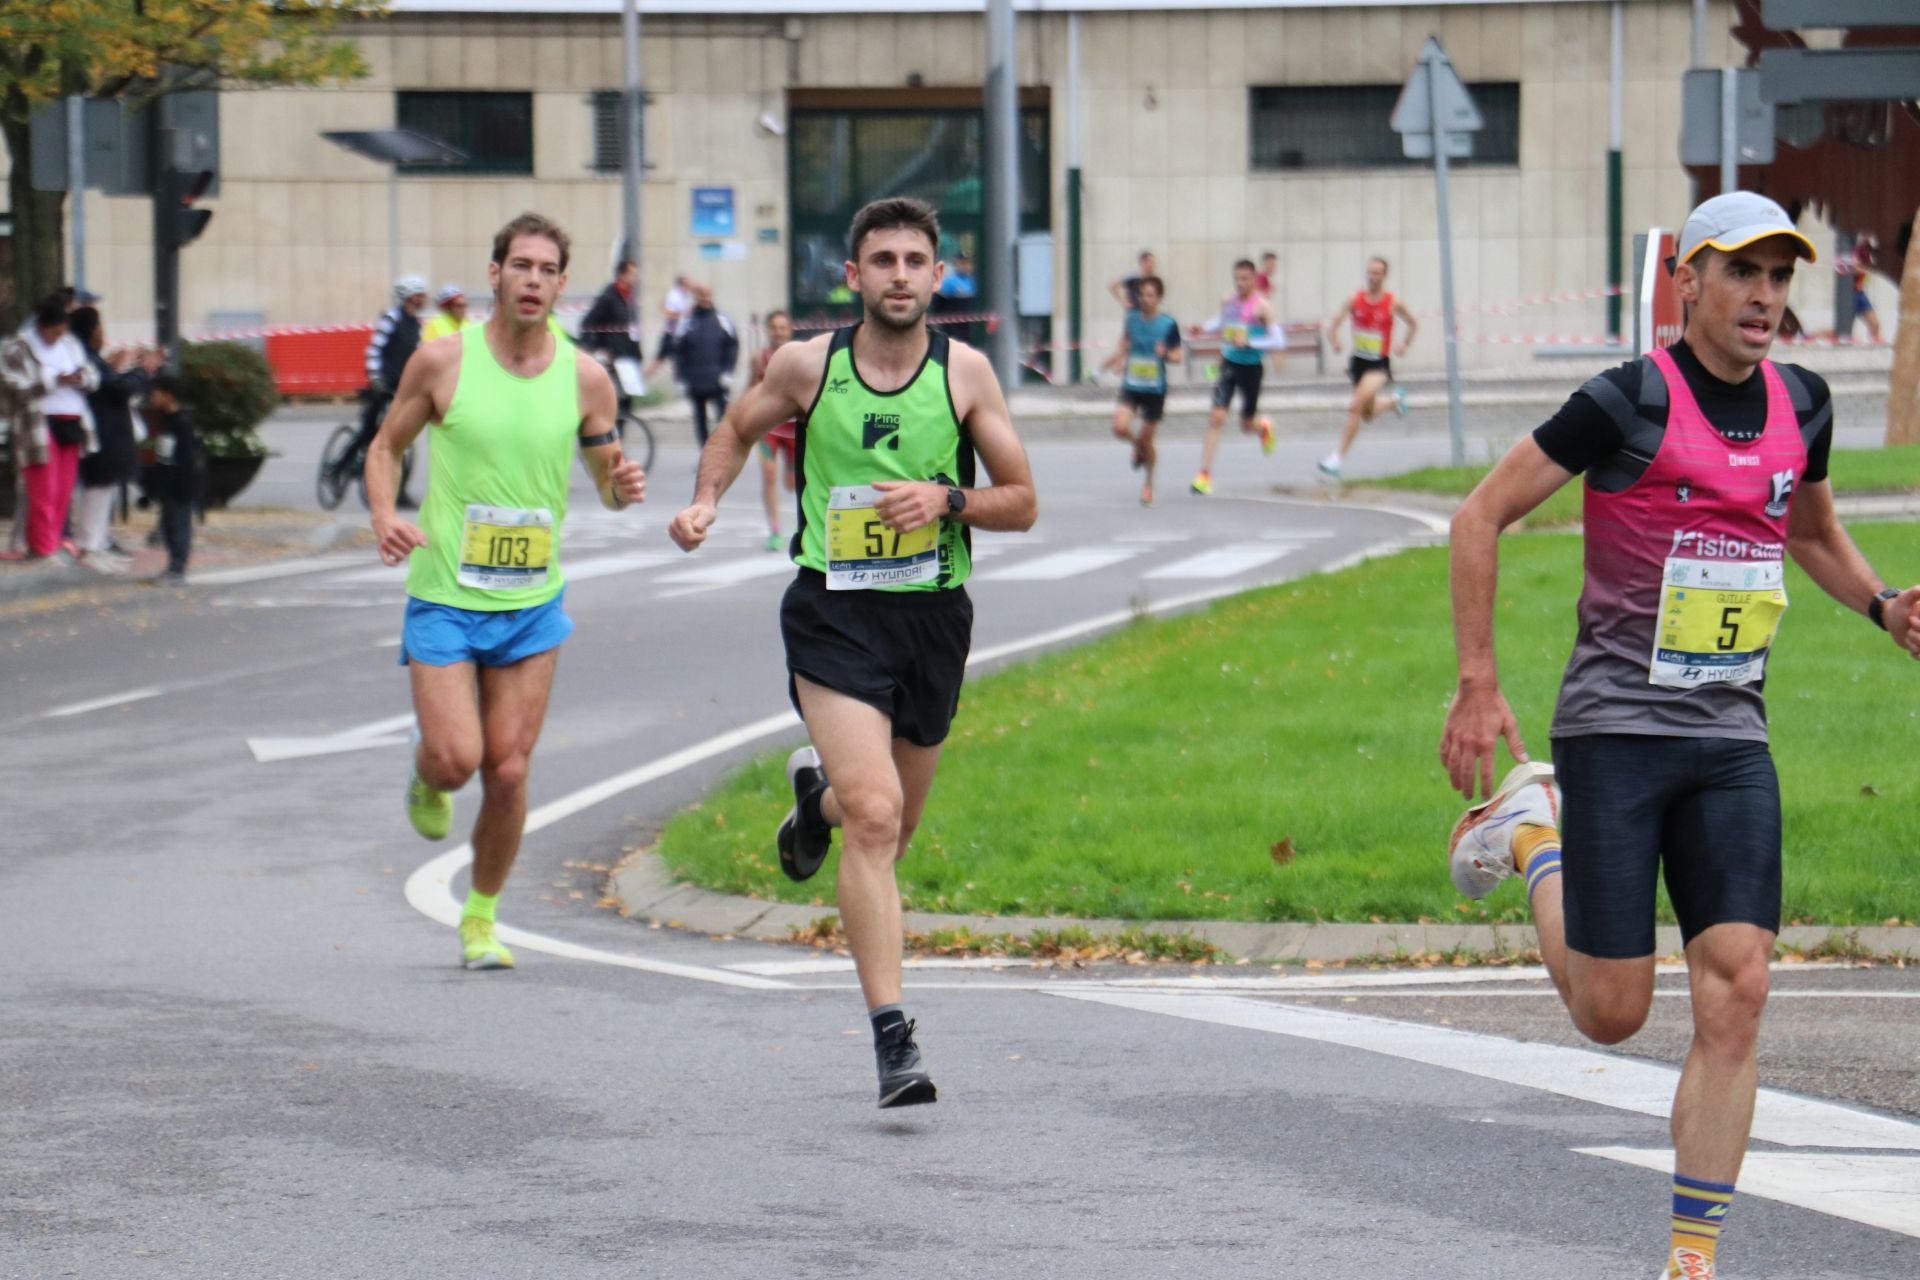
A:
(129, 49)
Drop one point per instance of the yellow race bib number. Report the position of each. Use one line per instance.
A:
(863, 553)
(505, 548)
(1235, 335)
(1368, 345)
(1143, 371)
(1717, 622)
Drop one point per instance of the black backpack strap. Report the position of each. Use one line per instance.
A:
(1811, 423)
(1641, 431)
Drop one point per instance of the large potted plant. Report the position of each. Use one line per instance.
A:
(229, 389)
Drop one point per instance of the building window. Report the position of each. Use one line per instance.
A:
(609, 143)
(495, 130)
(1345, 126)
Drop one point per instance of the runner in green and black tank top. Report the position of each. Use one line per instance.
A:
(852, 436)
(877, 623)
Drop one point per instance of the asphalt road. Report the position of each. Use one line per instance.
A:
(234, 1041)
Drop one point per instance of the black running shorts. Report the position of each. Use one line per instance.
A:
(901, 652)
(1707, 810)
(1243, 379)
(1359, 367)
(1151, 404)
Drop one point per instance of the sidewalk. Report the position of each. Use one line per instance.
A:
(647, 891)
(230, 538)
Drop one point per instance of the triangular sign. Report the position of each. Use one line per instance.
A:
(1435, 81)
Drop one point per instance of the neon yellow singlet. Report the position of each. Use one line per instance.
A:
(497, 484)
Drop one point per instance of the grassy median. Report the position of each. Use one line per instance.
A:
(1849, 470)
(1275, 758)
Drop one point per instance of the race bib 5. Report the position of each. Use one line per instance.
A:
(1717, 621)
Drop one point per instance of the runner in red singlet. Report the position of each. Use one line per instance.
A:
(776, 447)
(1371, 313)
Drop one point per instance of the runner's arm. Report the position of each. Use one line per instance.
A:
(1119, 357)
(785, 393)
(1333, 329)
(619, 480)
(1406, 317)
(1820, 545)
(1009, 503)
(409, 412)
(1175, 353)
(1480, 717)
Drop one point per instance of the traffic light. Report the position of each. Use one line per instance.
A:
(185, 220)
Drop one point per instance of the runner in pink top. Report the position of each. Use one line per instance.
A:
(1705, 467)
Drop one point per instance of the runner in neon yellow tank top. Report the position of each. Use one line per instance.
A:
(508, 404)
(877, 624)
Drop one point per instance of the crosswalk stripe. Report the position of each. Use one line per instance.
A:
(1226, 561)
(1063, 564)
(727, 572)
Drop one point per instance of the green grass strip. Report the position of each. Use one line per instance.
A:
(1275, 757)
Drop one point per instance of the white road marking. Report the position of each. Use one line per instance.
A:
(1228, 561)
(1431, 521)
(1880, 1191)
(380, 733)
(1622, 1083)
(1061, 564)
(101, 704)
(729, 572)
(1155, 536)
(606, 566)
(840, 964)
(384, 573)
(278, 569)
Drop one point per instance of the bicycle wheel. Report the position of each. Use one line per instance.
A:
(406, 473)
(640, 447)
(331, 484)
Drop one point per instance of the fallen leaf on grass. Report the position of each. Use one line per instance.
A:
(1282, 852)
(1866, 789)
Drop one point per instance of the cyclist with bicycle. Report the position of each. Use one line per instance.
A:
(607, 332)
(396, 336)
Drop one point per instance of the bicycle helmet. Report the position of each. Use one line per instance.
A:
(406, 287)
(448, 292)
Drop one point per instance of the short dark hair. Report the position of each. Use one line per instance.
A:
(1247, 263)
(1382, 261)
(1158, 285)
(1146, 253)
(894, 212)
(1269, 254)
(51, 313)
(532, 224)
(166, 380)
(776, 312)
(83, 323)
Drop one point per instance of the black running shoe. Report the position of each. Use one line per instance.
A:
(803, 844)
(903, 1081)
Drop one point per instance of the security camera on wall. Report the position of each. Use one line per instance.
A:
(770, 123)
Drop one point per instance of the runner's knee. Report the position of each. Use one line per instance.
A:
(1608, 1015)
(871, 817)
(446, 766)
(505, 769)
(1727, 1006)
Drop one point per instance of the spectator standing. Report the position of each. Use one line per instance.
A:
(177, 477)
(46, 375)
(123, 375)
(705, 348)
(673, 309)
(1126, 289)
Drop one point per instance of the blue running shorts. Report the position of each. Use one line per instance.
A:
(440, 635)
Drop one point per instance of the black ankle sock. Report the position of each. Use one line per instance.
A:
(889, 1023)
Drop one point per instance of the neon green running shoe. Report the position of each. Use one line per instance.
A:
(430, 811)
(483, 950)
(1203, 484)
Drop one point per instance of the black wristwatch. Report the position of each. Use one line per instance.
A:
(957, 501)
(1877, 607)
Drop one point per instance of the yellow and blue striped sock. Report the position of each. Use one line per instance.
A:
(1699, 1208)
(1536, 853)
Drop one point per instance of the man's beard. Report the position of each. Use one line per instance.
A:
(877, 314)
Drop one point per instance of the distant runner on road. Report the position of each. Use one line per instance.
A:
(1706, 466)
(509, 404)
(1149, 341)
(1370, 312)
(878, 623)
(1242, 324)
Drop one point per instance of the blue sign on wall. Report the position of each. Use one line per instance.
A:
(712, 212)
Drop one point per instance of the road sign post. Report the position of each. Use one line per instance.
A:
(1436, 119)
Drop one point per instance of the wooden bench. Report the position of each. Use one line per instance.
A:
(1302, 337)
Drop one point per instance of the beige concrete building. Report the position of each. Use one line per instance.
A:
(1208, 132)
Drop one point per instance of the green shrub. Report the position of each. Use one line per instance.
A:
(229, 388)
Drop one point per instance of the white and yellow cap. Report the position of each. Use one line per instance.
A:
(1735, 220)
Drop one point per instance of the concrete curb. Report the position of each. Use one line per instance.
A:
(58, 573)
(648, 891)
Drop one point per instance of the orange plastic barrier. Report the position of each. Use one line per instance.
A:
(319, 362)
